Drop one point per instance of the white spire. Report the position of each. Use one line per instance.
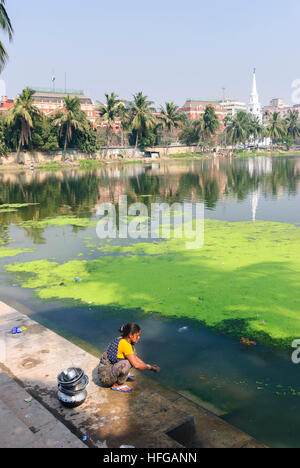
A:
(254, 87)
(254, 105)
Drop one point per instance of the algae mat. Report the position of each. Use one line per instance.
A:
(244, 281)
(9, 252)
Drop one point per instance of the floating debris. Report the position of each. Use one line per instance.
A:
(247, 342)
(183, 329)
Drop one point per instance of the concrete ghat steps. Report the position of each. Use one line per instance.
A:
(29, 424)
(151, 416)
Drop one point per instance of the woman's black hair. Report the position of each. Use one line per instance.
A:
(129, 329)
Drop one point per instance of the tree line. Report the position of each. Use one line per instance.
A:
(136, 123)
(141, 125)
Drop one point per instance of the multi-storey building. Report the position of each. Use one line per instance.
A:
(278, 105)
(194, 109)
(49, 101)
(232, 107)
(5, 104)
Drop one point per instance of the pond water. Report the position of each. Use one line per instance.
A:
(51, 216)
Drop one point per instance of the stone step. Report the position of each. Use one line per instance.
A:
(29, 424)
(13, 432)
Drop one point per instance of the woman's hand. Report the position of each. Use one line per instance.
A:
(155, 368)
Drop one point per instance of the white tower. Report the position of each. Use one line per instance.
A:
(254, 107)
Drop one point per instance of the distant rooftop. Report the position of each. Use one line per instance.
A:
(194, 103)
(58, 91)
(202, 100)
(45, 95)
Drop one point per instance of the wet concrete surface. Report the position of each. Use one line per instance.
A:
(152, 416)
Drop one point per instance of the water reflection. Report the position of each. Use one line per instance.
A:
(256, 188)
(214, 182)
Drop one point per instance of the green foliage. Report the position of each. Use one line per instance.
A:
(88, 164)
(111, 112)
(44, 137)
(287, 141)
(70, 119)
(6, 26)
(189, 135)
(4, 149)
(293, 125)
(201, 131)
(238, 128)
(22, 116)
(276, 128)
(50, 166)
(142, 120)
(148, 138)
(85, 140)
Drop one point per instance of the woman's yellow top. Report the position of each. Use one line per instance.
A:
(124, 349)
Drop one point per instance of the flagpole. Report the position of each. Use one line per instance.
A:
(53, 79)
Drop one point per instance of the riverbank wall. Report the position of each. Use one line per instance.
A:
(72, 155)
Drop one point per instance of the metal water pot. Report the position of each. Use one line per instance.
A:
(72, 383)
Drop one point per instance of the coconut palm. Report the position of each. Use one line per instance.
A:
(198, 126)
(142, 116)
(69, 119)
(5, 25)
(293, 124)
(211, 122)
(110, 112)
(256, 130)
(21, 117)
(226, 122)
(276, 128)
(171, 117)
(237, 130)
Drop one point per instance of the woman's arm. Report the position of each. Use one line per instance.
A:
(137, 363)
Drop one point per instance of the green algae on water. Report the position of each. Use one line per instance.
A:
(242, 277)
(14, 207)
(8, 252)
(58, 221)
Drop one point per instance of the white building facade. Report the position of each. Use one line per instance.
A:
(232, 107)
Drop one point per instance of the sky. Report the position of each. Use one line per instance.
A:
(171, 50)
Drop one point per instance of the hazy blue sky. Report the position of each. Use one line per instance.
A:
(169, 49)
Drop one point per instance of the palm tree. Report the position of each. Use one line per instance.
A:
(141, 115)
(237, 129)
(21, 116)
(276, 128)
(6, 26)
(211, 122)
(293, 124)
(110, 112)
(226, 122)
(198, 126)
(255, 129)
(171, 117)
(69, 119)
